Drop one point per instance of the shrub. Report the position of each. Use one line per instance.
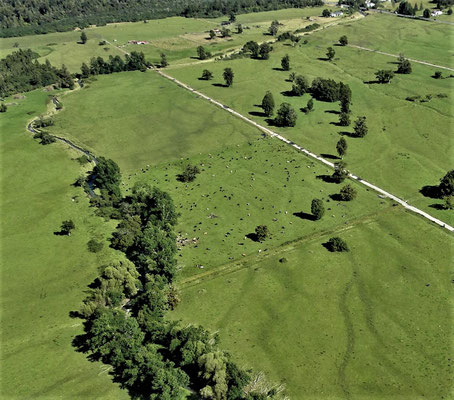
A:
(189, 174)
(94, 246)
(317, 209)
(261, 232)
(336, 244)
(348, 193)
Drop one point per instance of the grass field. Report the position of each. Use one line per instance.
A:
(44, 275)
(374, 323)
(142, 118)
(403, 136)
(263, 182)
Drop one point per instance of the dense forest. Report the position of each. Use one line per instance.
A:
(27, 17)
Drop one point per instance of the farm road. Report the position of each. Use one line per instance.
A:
(396, 56)
(301, 149)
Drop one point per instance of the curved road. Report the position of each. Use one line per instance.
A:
(309, 154)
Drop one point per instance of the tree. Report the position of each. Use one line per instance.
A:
(83, 37)
(65, 78)
(239, 29)
(343, 40)
(301, 86)
(225, 32)
(67, 227)
(336, 244)
(212, 34)
(340, 172)
(228, 76)
(405, 8)
(449, 203)
(268, 104)
(345, 106)
(317, 209)
(360, 127)
(261, 232)
(344, 119)
(347, 193)
(310, 105)
(325, 89)
(326, 13)
(264, 51)
(330, 53)
(203, 55)
(449, 11)
(189, 173)
(292, 77)
(404, 66)
(285, 63)
(426, 13)
(164, 62)
(273, 29)
(384, 76)
(107, 176)
(232, 18)
(3, 108)
(341, 147)
(286, 116)
(206, 75)
(446, 186)
(253, 48)
(84, 71)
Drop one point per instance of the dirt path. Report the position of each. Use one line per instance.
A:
(396, 56)
(308, 153)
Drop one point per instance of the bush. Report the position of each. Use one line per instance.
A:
(336, 244)
(261, 232)
(317, 209)
(438, 75)
(189, 174)
(44, 137)
(348, 193)
(286, 116)
(94, 246)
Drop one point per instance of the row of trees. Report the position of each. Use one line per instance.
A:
(257, 51)
(98, 66)
(21, 72)
(26, 17)
(125, 310)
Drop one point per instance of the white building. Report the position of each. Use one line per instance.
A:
(436, 12)
(337, 14)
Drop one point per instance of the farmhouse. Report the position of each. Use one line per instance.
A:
(344, 6)
(436, 12)
(337, 14)
(369, 4)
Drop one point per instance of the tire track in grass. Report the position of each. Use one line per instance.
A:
(350, 337)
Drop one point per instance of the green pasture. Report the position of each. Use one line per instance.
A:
(263, 182)
(44, 276)
(408, 145)
(374, 323)
(140, 119)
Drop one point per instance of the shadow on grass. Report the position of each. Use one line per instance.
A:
(330, 156)
(304, 215)
(257, 114)
(371, 82)
(322, 59)
(219, 85)
(336, 197)
(326, 178)
(278, 69)
(328, 247)
(430, 191)
(332, 112)
(252, 236)
(437, 206)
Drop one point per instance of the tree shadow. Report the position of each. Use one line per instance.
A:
(60, 233)
(289, 93)
(338, 45)
(371, 82)
(437, 206)
(252, 236)
(322, 59)
(332, 112)
(326, 178)
(430, 191)
(271, 122)
(303, 215)
(328, 247)
(335, 123)
(336, 197)
(257, 114)
(330, 156)
(219, 84)
(346, 133)
(278, 69)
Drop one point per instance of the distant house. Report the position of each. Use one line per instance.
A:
(337, 14)
(369, 4)
(345, 6)
(217, 32)
(436, 12)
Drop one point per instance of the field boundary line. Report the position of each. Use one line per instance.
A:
(233, 266)
(309, 153)
(396, 56)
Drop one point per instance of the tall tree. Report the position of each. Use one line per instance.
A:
(228, 76)
(83, 37)
(317, 209)
(343, 40)
(384, 76)
(264, 51)
(300, 86)
(341, 147)
(206, 75)
(330, 53)
(202, 54)
(285, 63)
(268, 104)
(164, 62)
(360, 127)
